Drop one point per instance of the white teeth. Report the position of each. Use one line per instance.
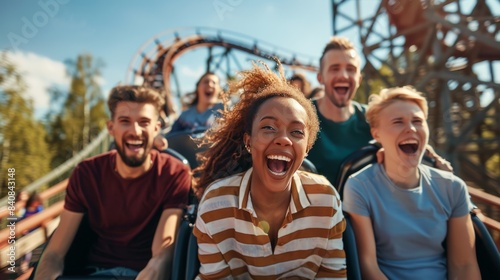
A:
(134, 142)
(278, 174)
(341, 85)
(283, 158)
(412, 141)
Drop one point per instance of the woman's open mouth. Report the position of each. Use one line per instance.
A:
(409, 147)
(278, 164)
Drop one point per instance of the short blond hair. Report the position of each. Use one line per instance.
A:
(387, 96)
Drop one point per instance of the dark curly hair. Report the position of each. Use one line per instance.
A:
(225, 154)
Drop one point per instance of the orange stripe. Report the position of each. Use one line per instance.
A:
(315, 211)
(211, 258)
(319, 189)
(285, 257)
(328, 273)
(241, 237)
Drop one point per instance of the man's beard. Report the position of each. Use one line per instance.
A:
(339, 104)
(132, 161)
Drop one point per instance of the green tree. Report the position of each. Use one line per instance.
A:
(82, 115)
(22, 137)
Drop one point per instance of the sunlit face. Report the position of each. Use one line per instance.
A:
(208, 90)
(278, 142)
(134, 128)
(340, 75)
(403, 132)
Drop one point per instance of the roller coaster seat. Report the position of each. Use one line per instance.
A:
(184, 142)
(75, 260)
(308, 166)
(487, 253)
(359, 160)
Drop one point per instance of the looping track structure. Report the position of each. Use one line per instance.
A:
(154, 63)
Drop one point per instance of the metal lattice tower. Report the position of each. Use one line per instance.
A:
(449, 50)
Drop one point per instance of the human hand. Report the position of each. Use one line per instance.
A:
(380, 155)
(153, 270)
(160, 142)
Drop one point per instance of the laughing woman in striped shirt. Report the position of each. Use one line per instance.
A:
(259, 217)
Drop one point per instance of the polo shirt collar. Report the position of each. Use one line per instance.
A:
(298, 201)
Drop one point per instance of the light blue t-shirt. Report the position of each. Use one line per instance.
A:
(409, 225)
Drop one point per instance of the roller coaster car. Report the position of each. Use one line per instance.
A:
(487, 253)
(75, 260)
(185, 263)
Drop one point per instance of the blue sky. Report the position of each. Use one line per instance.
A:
(45, 33)
(114, 30)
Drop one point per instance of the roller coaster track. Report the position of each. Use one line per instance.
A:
(153, 64)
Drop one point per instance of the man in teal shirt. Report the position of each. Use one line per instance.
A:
(343, 126)
(342, 121)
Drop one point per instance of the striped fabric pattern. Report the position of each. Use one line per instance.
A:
(231, 245)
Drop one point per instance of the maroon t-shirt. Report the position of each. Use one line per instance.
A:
(125, 212)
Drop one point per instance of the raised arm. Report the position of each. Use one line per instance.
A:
(365, 241)
(52, 262)
(159, 266)
(461, 253)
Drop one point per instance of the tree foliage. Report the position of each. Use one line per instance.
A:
(22, 137)
(82, 115)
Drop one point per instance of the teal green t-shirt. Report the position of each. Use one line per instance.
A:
(336, 141)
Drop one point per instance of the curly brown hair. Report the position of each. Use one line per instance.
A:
(226, 154)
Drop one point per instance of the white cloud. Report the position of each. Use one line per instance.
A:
(191, 73)
(39, 73)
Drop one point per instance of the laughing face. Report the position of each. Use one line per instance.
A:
(403, 132)
(134, 128)
(208, 90)
(341, 76)
(278, 143)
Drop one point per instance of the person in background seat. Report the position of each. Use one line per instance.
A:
(203, 109)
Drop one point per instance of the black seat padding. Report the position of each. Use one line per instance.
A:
(308, 166)
(193, 263)
(351, 251)
(355, 162)
(487, 253)
(180, 251)
(184, 143)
